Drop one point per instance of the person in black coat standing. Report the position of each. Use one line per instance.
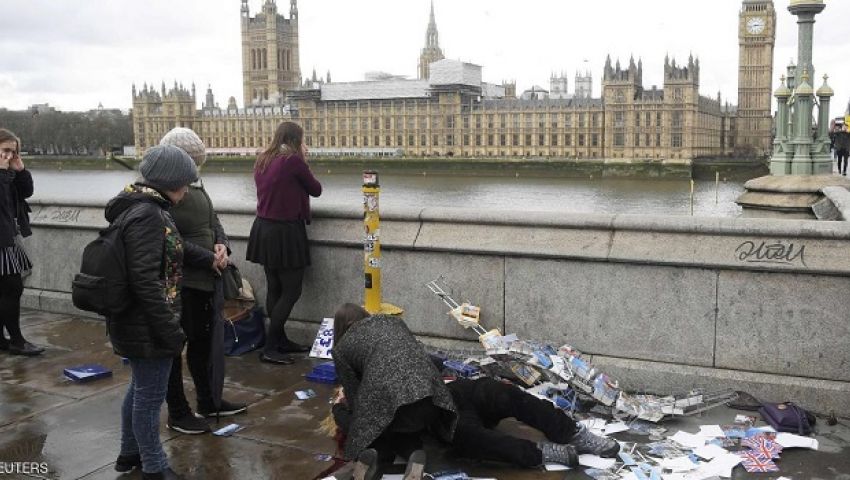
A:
(15, 187)
(148, 333)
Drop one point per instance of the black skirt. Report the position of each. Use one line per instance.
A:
(278, 244)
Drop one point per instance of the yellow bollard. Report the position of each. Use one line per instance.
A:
(372, 247)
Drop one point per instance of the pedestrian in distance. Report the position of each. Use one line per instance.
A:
(842, 148)
(148, 332)
(15, 187)
(202, 301)
(278, 239)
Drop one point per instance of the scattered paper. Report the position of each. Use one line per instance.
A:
(688, 440)
(555, 467)
(616, 427)
(680, 464)
(712, 431)
(722, 465)
(228, 430)
(595, 461)
(709, 451)
(305, 394)
(789, 440)
(593, 423)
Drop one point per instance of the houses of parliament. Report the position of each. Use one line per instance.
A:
(450, 111)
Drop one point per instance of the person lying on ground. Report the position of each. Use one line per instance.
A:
(481, 405)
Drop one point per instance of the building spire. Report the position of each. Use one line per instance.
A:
(432, 37)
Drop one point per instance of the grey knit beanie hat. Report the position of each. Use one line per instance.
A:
(189, 141)
(168, 167)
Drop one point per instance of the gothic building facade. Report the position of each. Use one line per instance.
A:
(450, 111)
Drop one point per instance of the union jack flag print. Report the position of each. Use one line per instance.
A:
(757, 463)
(763, 445)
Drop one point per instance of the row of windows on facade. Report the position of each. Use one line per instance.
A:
(502, 140)
(260, 59)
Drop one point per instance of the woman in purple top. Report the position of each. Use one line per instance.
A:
(278, 239)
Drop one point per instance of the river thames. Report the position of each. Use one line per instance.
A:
(569, 195)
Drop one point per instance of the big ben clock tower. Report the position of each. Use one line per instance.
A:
(756, 37)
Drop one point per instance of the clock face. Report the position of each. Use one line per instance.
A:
(755, 25)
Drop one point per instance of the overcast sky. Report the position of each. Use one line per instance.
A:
(74, 54)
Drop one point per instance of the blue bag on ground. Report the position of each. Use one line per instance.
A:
(244, 329)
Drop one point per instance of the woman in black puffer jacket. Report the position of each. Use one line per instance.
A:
(148, 333)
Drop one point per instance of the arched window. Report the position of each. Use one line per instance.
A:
(253, 59)
(288, 60)
(265, 60)
(266, 93)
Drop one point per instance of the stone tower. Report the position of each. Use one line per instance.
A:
(584, 85)
(756, 37)
(432, 52)
(270, 60)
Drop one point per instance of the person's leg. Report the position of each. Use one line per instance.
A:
(11, 289)
(274, 289)
(129, 446)
(200, 312)
(473, 440)
(495, 401)
(290, 291)
(150, 382)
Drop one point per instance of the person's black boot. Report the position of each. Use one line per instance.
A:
(125, 463)
(291, 347)
(26, 349)
(167, 474)
(559, 453)
(276, 358)
(586, 442)
(4, 343)
(225, 409)
(188, 424)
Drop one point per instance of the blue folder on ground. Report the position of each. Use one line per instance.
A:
(87, 373)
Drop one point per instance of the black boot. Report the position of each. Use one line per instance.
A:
(125, 463)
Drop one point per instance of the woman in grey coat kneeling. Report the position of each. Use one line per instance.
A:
(394, 394)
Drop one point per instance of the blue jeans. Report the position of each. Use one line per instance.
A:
(140, 412)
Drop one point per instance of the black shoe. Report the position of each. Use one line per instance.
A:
(167, 474)
(276, 358)
(27, 349)
(125, 463)
(226, 409)
(4, 344)
(366, 467)
(188, 424)
(291, 347)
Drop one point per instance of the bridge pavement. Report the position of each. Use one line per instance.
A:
(75, 428)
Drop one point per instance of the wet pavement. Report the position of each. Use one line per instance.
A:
(74, 428)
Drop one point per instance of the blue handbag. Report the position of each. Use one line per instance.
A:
(244, 331)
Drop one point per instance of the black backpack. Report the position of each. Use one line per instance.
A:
(102, 286)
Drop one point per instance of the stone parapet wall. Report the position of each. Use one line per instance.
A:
(758, 305)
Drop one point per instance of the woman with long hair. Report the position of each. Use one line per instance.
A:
(278, 239)
(15, 187)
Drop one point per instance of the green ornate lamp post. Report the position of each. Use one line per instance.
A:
(801, 164)
(797, 150)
